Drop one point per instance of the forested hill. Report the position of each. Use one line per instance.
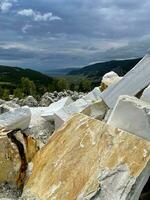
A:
(14, 75)
(25, 82)
(97, 70)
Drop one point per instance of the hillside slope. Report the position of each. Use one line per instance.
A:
(96, 71)
(13, 75)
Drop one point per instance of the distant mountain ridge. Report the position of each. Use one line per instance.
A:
(96, 71)
(59, 72)
(12, 75)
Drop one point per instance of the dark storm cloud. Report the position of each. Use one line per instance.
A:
(15, 53)
(67, 33)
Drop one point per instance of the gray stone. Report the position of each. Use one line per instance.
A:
(2, 101)
(70, 92)
(11, 97)
(9, 192)
(39, 128)
(75, 96)
(8, 106)
(55, 93)
(15, 100)
(61, 94)
(65, 93)
(46, 100)
(30, 101)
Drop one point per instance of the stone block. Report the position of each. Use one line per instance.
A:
(131, 115)
(87, 159)
(131, 84)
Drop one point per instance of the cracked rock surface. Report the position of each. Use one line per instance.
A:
(87, 159)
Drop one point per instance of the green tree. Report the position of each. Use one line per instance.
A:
(28, 87)
(72, 86)
(62, 84)
(1, 92)
(85, 85)
(18, 93)
(52, 87)
(5, 95)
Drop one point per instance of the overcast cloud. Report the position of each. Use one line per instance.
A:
(46, 34)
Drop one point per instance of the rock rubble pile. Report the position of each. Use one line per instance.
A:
(76, 146)
(47, 99)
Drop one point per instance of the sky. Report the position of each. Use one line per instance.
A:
(50, 34)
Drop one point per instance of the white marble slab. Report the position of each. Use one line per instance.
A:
(131, 84)
(132, 115)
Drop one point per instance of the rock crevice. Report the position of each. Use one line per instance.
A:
(24, 163)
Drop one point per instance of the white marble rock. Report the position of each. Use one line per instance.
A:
(95, 109)
(48, 114)
(109, 79)
(18, 118)
(146, 94)
(132, 115)
(94, 95)
(131, 84)
(63, 114)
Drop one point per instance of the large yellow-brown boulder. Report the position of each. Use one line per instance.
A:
(10, 160)
(88, 159)
(16, 150)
